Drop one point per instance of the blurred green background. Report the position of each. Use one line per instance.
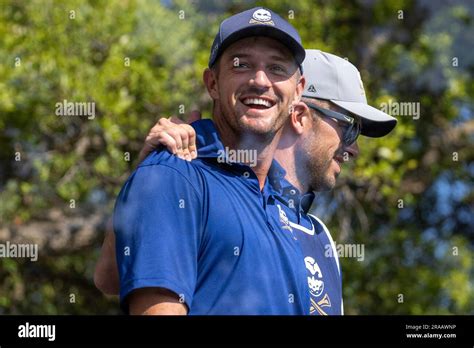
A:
(408, 198)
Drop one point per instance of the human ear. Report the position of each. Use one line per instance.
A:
(300, 117)
(210, 81)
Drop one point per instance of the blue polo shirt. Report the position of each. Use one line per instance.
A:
(323, 272)
(204, 230)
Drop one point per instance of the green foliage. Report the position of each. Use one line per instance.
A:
(141, 60)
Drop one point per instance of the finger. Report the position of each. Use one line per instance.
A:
(176, 120)
(184, 139)
(164, 121)
(154, 139)
(191, 140)
(157, 127)
(175, 134)
(169, 142)
(194, 116)
(160, 126)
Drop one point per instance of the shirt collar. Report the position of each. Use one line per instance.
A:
(208, 142)
(289, 192)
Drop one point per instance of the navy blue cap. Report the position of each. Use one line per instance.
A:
(257, 21)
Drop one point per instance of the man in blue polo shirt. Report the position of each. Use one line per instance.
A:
(218, 256)
(198, 237)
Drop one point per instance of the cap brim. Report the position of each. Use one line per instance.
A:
(375, 123)
(269, 31)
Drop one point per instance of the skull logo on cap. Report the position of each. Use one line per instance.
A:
(262, 15)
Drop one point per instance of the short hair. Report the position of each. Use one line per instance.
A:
(215, 67)
(317, 101)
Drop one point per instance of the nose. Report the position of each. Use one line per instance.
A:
(261, 79)
(352, 150)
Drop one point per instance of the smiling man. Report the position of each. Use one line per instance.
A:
(198, 237)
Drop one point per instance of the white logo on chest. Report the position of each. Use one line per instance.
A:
(316, 286)
(284, 219)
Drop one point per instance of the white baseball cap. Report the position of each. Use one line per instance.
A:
(335, 79)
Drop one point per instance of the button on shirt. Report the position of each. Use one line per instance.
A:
(204, 230)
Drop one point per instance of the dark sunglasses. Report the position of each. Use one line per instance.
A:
(352, 126)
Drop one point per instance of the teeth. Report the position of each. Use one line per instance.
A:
(257, 101)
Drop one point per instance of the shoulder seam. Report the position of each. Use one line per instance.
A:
(176, 170)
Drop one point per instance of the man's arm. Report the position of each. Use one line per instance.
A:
(155, 301)
(168, 133)
(158, 225)
(146, 301)
(106, 277)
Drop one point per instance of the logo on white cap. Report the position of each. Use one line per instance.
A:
(312, 89)
(261, 16)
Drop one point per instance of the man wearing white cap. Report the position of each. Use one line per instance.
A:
(334, 93)
(313, 146)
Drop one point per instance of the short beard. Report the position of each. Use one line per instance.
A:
(264, 134)
(314, 169)
(319, 179)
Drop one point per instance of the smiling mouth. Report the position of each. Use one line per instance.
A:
(258, 103)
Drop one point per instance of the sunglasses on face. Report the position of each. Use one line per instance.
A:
(351, 126)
